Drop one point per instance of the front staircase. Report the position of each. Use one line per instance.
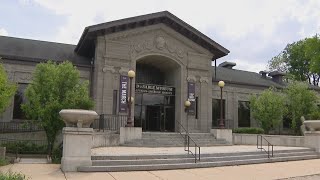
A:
(158, 139)
(184, 161)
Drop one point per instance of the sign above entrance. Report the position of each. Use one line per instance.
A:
(155, 89)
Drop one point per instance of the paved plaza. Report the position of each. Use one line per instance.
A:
(281, 170)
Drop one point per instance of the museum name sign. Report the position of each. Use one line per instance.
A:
(155, 89)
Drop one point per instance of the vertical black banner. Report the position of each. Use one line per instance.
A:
(192, 97)
(123, 94)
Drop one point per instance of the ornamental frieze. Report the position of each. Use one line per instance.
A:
(160, 44)
(23, 77)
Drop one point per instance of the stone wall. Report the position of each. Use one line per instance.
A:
(276, 140)
(105, 139)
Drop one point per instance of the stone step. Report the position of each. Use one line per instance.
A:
(157, 139)
(192, 159)
(185, 155)
(165, 162)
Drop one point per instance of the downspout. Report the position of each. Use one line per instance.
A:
(215, 67)
(91, 77)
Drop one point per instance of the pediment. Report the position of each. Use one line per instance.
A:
(85, 46)
(157, 38)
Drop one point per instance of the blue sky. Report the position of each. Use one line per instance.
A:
(254, 31)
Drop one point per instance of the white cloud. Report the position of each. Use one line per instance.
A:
(232, 21)
(3, 32)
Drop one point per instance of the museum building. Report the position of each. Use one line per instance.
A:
(172, 63)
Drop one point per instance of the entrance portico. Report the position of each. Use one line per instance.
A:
(155, 92)
(167, 54)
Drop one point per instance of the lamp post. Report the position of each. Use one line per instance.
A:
(221, 124)
(131, 75)
(187, 104)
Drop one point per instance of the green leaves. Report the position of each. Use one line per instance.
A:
(268, 108)
(301, 60)
(295, 101)
(55, 87)
(301, 102)
(7, 89)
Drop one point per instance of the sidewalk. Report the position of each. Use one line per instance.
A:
(245, 172)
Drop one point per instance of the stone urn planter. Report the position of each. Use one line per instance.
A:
(312, 125)
(78, 117)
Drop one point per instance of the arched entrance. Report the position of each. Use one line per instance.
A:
(155, 93)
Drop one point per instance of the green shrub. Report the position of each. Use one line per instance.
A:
(314, 115)
(12, 176)
(57, 155)
(25, 147)
(3, 161)
(249, 130)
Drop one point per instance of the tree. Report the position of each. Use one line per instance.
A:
(55, 87)
(7, 89)
(268, 108)
(301, 101)
(313, 52)
(300, 60)
(278, 63)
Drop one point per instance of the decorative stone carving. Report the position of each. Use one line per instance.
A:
(204, 80)
(312, 125)
(191, 78)
(108, 68)
(23, 77)
(158, 43)
(124, 71)
(79, 117)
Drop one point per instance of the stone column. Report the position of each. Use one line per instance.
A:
(204, 106)
(77, 143)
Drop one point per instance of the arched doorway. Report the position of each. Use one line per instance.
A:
(155, 93)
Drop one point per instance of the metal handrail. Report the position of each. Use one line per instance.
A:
(262, 148)
(187, 139)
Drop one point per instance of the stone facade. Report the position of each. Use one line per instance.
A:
(118, 52)
(232, 94)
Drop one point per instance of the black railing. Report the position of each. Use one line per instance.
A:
(187, 140)
(259, 146)
(110, 122)
(228, 124)
(14, 127)
(17, 146)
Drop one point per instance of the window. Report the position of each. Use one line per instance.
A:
(19, 99)
(216, 111)
(243, 114)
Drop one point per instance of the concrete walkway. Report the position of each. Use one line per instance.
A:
(246, 172)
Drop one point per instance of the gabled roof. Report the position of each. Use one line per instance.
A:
(38, 51)
(86, 44)
(234, 76)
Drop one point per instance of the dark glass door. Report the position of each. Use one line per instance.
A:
(168, 119)
(153, 118)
